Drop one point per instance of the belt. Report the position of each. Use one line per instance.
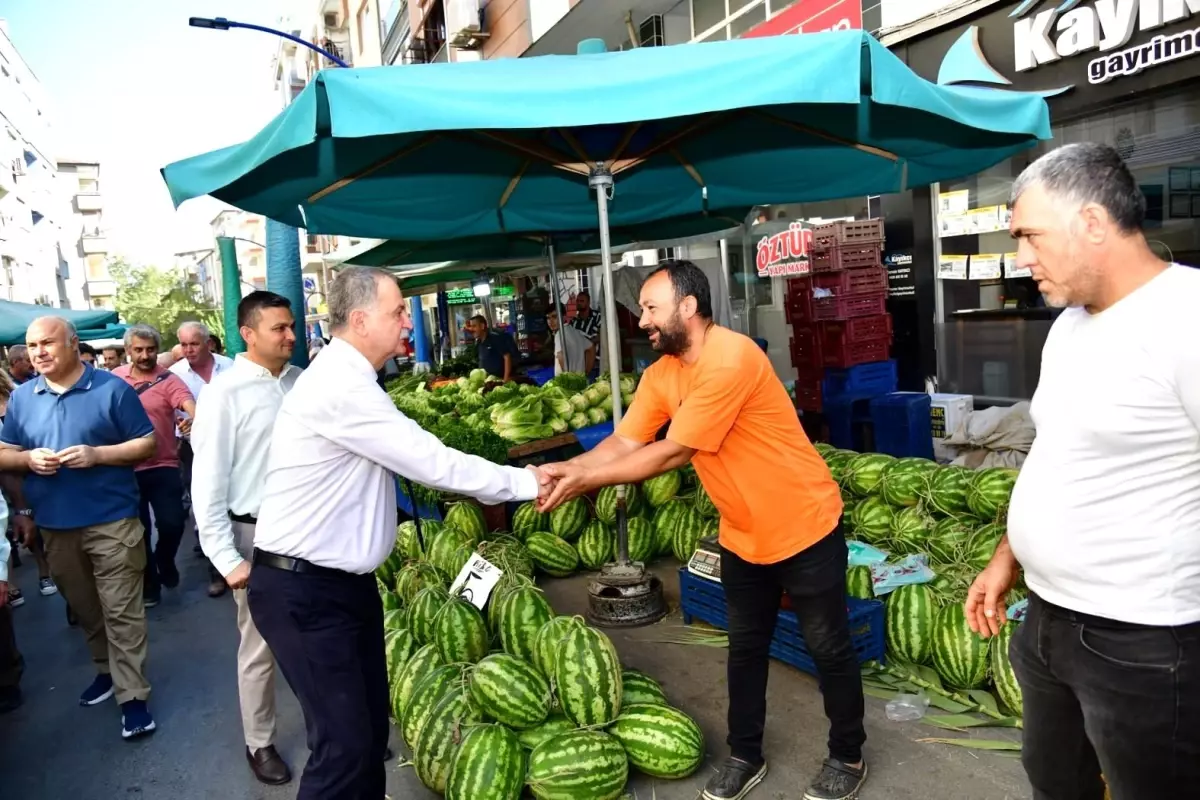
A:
(288, 564)
(245, 519)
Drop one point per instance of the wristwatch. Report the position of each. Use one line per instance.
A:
(25, 512)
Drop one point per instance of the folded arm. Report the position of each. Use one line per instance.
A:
(213, 447)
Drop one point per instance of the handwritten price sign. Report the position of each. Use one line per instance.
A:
(476, 581)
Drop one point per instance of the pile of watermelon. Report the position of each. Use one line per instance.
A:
(514, 698)
(955, 516)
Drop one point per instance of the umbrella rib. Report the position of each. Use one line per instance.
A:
(667, 142)
(570, 139)
(866, 148)
(691, 170)
(512, 184)
(341, 183)
(547, 154)
(625, 140)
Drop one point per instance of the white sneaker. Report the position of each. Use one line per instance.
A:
(46, 587)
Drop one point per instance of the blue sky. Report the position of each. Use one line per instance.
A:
(132, 85)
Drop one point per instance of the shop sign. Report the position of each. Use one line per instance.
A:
(466, 296)
(901, 281)
(1067, 29)
(785, 254)
(812, 16)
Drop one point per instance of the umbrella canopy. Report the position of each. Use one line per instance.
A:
(98, 323)
(691, 132)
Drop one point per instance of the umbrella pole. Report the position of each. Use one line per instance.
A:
(554, 299)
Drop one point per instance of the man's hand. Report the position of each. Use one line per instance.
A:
(545, 482)
(25, 529)
(985, 607)
(239, 577)
(43, 461)
(185, 426)
(80, 456)
(570, 481)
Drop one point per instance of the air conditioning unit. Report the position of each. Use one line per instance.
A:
(331, 20)
(464, 24)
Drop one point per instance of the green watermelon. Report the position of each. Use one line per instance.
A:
(408, 544)
(665, 520)
(568, 520)
(906, 480)
(424, 608)
(858, 583)
(394, 620)
(510, 691)
(910, 529)
(982, 546)
(872, 520)
(420, 664)
(527, 519)
(863, 473)
(606, 503)
(1005, 680)
(596, 545)
(823, 449)
(548, 641)
(703, 503)
(947, 538)
(508, 554)
(439, 737)
(640, 540)
(588, 677)
(947, 491)
(522, 613)
(460, 633)
(552, 555)
(445, 549)
(909, 614)
(391, 602)
(989, 492)
(687, 476)
(837, 461)
(413, 578)
(578, 765)
(689, 527)
(489, 765)
(639, 688)
(661, 741)
(555, 725)
(960, 655)
(468, 518)
(398, 647)
(388, 569)
(425, 696)
(661, 488)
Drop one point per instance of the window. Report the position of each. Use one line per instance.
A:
(96, 268)
(88, 186)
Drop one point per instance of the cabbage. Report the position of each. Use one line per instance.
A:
(605, 405)
(626, 399)
(571, 381)
(462, 383)
(579, 402)
(593, 395)
(478, 376)
(628, 384)
(521, 433)
(527, 411)
(558, 425)
(597, 416)
(527, 388)
(602, 386)
(558, 406)
(579, 421)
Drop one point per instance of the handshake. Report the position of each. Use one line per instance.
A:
(560, 482)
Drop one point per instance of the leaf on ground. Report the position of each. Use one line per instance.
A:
(928, 675)
(969, 721)
(882, 694)
(984, 699)
(977, 744)
(946, 704)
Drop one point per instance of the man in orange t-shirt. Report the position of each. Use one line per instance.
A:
(780, 515)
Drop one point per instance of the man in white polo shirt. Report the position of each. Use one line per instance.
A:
(1105, 516)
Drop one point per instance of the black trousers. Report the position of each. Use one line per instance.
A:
(161, 489)
(12, 665)
(326, 631)
(815, 580)
(1111, 697)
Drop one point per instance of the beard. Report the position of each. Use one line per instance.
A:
(672, 339)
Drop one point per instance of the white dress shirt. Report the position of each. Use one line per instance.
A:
(193, 380)
(330, 497)
(231, 437)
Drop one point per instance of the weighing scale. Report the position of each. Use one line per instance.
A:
(706, 561)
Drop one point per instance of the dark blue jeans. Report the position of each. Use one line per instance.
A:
(161, 489)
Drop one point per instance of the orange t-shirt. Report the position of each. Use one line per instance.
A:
(774, 492)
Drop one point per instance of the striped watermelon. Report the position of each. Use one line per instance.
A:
(703, 503)
(1007, 688)
(823, 449)
(873, 520)
(527, 519)
(947, 538)
(413, 578)
(489, 765)
(568, 520)
(398, 647)
(588, 677)
(864, 472)
(424, 609)
(439, 737)
(510, 691)
(522, 613)
(444, 549)
(688, 477)
(858, 583)
(394, 619)
(638, 688)
(578, 765)
(606, 503)
(711, 529)
(552, 555)
(906, 480)
(426, 694)
(468, 518)
(408, 544)
(380, 587)
(548, 641)
(982, 546)
(460, 633)
(947, 492)
(390, 601)
(554, 725)
(989, 492)
(960, 655)
(661, 488)
(661, 741)
(688, 529)
(837, 461)
(422, 662)
(910, 530)
(909, 617)
(596, 545)
(665, 520)
(386, 572)
(508, 554)
(640, 539)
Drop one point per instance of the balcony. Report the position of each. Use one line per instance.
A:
(89, 201)
(93, 242)
(101, 288)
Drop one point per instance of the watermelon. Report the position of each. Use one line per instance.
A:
(460, 633)
(661, 488)
(910, 528)
(413, 578)
(906, 480)
(554, 725)
(688, 529)
(951, 583)
(596, 545)
(947, 491)
(1005, 680)
(989, 492)
(909, 614)
(508, 554)
(824, 450)
(424, 608)
(638, 688)
(444, 549)
(578, 765)
(430, 689)
(408, 544)
(552, 555)
(468, 518)
(489, 765)
(688, 477)
(422, 662)
(661, 741)
(711, 528)
(640, 539)
(982, 546)
(510, 691)
(568, 520)
(960, 655)
(439, 737)
(837, 461)
(606, 503)
(386, 571)
(947, 538)
(548, 641)
(522, 613)
(394, 619)
(380, 586)
(588, 677)
(864, 472)
(858, 583)
(703, 503)
(872, 520)
(666, 518)
(398, 647)
(391, 602)
(527, 519)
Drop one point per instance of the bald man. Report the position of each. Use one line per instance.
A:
(77, 432)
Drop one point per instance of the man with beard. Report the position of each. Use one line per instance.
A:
(19, 365)
(163, 395)
(780, 515)
(573, 351)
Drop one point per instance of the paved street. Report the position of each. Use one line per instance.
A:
(52, 749)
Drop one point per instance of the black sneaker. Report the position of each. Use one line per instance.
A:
(15, 598)
(837, 781)
(168, 575)
(734, 780)
(151, 599)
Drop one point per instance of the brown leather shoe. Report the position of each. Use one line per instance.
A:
(217, 588)
(268, 766)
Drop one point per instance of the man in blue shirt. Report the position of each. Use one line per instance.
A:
(497, 351)
(78, 432)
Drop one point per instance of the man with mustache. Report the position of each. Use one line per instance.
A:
(780, 515)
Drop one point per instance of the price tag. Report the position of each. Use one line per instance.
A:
(476, 580)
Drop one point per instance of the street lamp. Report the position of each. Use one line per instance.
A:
(222, 24)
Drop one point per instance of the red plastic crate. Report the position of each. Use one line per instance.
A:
(808, 390)
(852, 353)
(806, 350)
(859, 280)
(847, 257)
(857, 328)
(835, 234)
(797, 304)
(847, 306)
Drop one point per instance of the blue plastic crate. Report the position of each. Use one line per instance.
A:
(845, 418)
(705, 600)
(903, 425)
(863, 380)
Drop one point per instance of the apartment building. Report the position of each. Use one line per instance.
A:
(84, 244)
(202, 269)
(249, 232)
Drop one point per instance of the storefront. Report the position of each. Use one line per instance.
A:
(1127, 74)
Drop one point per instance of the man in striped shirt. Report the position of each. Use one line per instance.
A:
(585, 319)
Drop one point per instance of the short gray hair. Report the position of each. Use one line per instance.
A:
(141, 331)
(200, 327)
(18, 351)
(354, 288)
(1088, 172)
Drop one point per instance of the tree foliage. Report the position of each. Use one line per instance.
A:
(162, 298)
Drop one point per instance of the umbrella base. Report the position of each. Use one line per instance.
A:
(625, 596)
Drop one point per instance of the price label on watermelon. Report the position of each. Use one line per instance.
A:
(476, 581)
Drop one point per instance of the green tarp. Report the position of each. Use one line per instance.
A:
(97, 323)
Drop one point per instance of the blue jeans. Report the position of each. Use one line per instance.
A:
(161, 489)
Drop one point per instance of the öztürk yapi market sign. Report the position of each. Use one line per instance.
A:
(785, 253)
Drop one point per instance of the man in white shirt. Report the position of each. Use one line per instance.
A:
(328, 520)
(1105, 516)
(197, 366)
(231, 437)
(573, 350)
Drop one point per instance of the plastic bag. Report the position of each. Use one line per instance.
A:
(863, 555)
(913, 569)
(907, 707)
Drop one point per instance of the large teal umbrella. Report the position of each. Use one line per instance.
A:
(95, 323)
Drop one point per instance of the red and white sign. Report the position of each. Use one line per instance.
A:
(785, 253)
(812, 16)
